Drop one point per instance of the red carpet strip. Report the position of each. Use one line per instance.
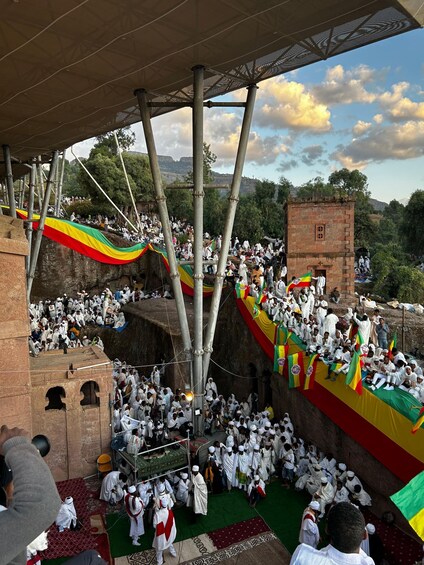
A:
(68, 543)
(400, 548)
(236, 533)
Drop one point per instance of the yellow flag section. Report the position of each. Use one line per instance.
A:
(371, 422)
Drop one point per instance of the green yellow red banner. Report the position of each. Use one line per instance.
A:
(371, 421)
(94, 244)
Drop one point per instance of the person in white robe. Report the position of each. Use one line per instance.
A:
(255, 490)
(165, 531)
(228, 459)
(67, 515)
(364, 327)
(111, 490)
(183, 487)
(200, 492)
(241, 469)
(135, 510)
(324, 495)
(309, 532)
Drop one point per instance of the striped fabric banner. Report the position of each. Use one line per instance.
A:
(296, 370)
(311, 371)
(280, 357)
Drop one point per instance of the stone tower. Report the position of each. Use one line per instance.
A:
(320, 239)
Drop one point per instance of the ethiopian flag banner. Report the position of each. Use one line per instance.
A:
(280, 357)
(94, 244)
(354, 375)
(410, 501)
(311, 372)
(392, 346)
(301, 282)
(242, 291)
(296, 370)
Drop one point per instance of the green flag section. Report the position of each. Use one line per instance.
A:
(354, 375)
(410, 501)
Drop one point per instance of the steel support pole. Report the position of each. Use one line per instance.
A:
(198, 196)
(137, 216)
(30, 229)
(9, 180)
(164, 218)
(41, 181)
(60, 184)
(41, 222)
(228, 228)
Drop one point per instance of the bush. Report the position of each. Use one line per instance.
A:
(86, 208)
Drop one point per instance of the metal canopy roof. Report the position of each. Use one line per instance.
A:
(69, 67)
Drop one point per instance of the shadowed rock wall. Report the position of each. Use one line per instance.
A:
(62, 270)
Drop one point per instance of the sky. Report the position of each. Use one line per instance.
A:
(361, 110)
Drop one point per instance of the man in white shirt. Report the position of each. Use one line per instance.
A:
(346, 530)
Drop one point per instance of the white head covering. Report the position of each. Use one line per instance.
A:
(69, 500)
(256, 477)
(195, 468)
(350, 474)
(241, 448)
(370, 528)
(184, 476)
(211, 449)
(324, 480)
(131, 489)
(342, 467)
(314, 505)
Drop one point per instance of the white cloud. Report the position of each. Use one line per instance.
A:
(361, 127)
(345, 87)
(396, 141)
(378, 118)
(287, 104)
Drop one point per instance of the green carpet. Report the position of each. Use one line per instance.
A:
(281, 510)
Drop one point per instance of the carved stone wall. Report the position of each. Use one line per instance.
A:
(15, 401)
(78, 432)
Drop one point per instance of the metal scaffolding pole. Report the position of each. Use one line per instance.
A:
(29, 230)
(60, 184)
(198, 196)
(164, 218)
(41, 181)
(229, 222)
(137, 216)
(41, 222)
(9, 180)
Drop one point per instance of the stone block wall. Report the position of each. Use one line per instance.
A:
(320, 238)
(78, 433)
(15, 400)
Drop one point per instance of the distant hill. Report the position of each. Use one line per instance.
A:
(378, 205)
(175, 170)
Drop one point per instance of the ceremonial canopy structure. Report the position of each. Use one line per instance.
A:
(69, 69)
(75, 69)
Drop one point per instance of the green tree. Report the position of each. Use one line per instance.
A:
(106, 143)
(412, 224)
(285, 188)
(349, 183)
(386, 259)
(247, 223)
(411, 284)
(316, 188)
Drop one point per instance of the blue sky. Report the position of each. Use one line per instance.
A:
(363, 109)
